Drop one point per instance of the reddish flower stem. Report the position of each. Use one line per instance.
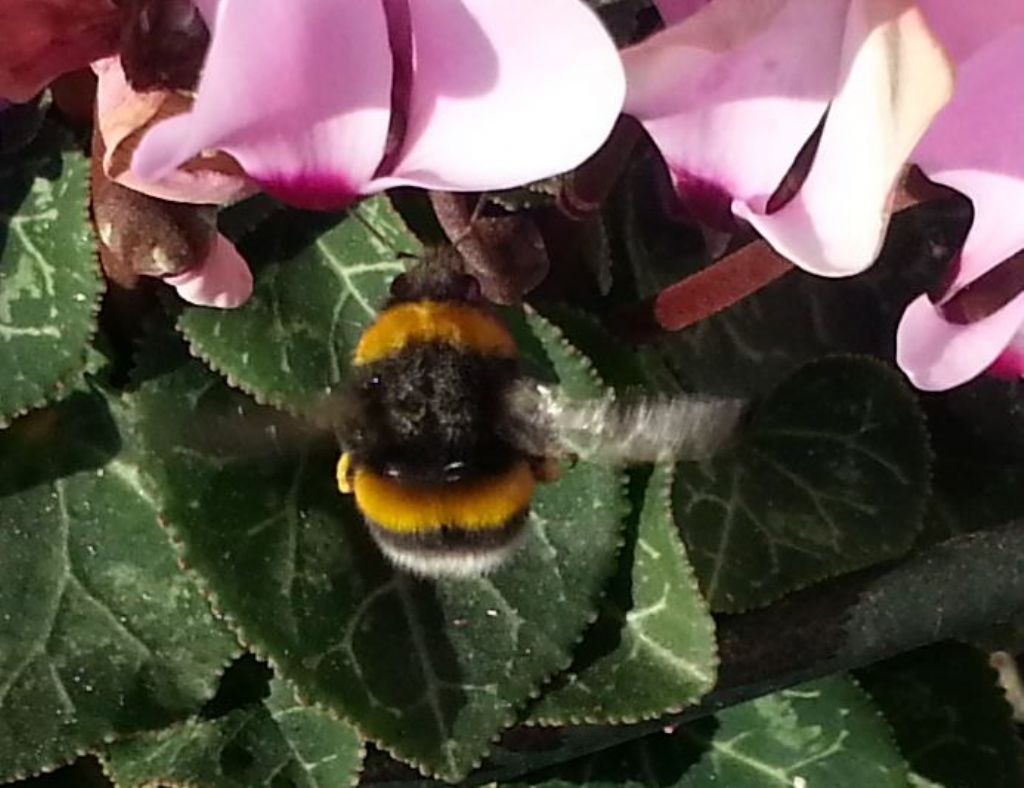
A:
(744, 272)
(720, 285)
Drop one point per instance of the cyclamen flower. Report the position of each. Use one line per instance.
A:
(975, 146)
(322, 101)
(734, 92)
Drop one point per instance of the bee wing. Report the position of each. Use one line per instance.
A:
(252, 436)
(248, 431)
(543, 422)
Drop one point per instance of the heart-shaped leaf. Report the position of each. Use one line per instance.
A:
(825, 732)
(274, 743)
(652, 650)
(832, 476)
(430, 670)
(316, 288)
(101, 634)
(49, 280)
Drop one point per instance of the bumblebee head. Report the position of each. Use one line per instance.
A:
(436, 276)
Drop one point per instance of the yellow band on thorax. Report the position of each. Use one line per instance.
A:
(482, 504)
(460, 325)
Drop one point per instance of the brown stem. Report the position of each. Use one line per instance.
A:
(586, 188)
(726, 281)
(505, 254)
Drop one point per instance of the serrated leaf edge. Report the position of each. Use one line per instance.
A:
(920, 426)
(96, 749)
(890, 733)
(251, 643)
(53, 393)
(257, 648)
(193, 722)
(628, 719)
(196, 351)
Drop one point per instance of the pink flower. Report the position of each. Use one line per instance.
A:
(975, 146)
(735, 92)
(123, 115)
(222, 278)
(321, 101)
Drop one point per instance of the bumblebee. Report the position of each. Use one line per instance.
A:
(444, 439)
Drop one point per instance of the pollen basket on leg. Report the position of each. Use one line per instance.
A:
(459, 325)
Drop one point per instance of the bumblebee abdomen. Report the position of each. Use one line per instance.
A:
(463, 527)
(481, 504)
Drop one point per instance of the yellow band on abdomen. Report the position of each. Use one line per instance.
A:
(460, 325)
(482, 504)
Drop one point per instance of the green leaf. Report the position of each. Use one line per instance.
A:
(832, 476)
(652, 650)
(274, 743)
(430, 670)
(949, 715)
(49, 281)
(316, 290)
(625, 368)
(823, 733)
(101, 634)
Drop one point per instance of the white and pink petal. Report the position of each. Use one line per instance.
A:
(727, 97)
(966, 27)
(505, 93)
(222, 280)
(123, 113)
(894, 77)
(937, 354)
(298, 94)
(730, 102)
(974, 146)
(674, 11)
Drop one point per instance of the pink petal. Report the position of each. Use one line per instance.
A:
(222, 280)
(298, 92)
(208, 8)
(1009, 365)
(894, 78)
(728, 96)
(504, 93)
(121, 112)
(675, 11)
(938, 355)
(974, 146)
(964, 27)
